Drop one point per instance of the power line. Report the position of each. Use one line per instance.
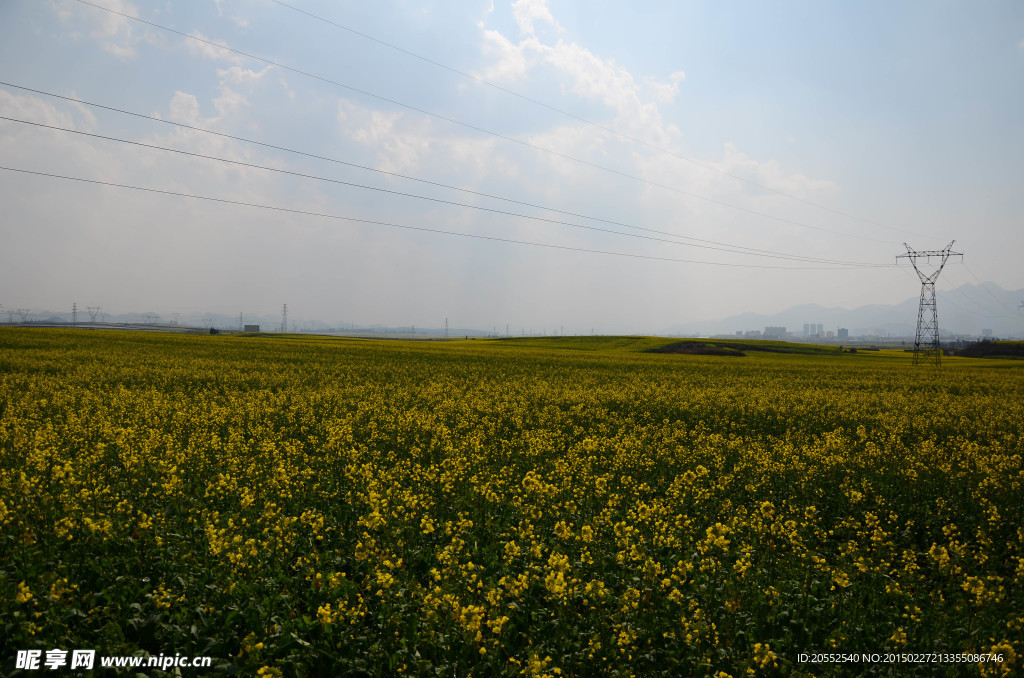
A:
(970, 298)
(387, 173)
(982, 285)
(475, 127)
(737, 248)
(978, 302)
(591, 123)
(422, 228)
(438, 200)
(947, 297)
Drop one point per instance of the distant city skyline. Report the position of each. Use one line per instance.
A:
(871, 321)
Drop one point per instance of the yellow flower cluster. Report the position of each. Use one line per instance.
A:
(317, 506)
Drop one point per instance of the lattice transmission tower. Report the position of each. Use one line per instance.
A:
(926, 341)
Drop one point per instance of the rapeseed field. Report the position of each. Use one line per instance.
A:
(319, 507)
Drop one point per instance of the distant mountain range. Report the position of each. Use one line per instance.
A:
(966, 310)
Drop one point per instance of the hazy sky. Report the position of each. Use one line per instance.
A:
(816, 130)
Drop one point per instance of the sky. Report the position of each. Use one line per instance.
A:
(618, 167)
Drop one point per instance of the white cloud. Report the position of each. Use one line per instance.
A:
(115, 32)
(511, 62)
(229, 101)
(574, 141)
(770, 173)
(594, 77)
(636, 108)
(88, 118)
(403, 143)
(287, 88)
(397, 149)
(241, 76)
(27, 107)
(591, 76)
(204, 49)
(123, 52)
(185, 108)
(664, 93)
(527, 12)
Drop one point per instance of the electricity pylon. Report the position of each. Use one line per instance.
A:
(926, 341)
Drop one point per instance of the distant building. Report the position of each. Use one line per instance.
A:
(829, 334)
(807, 330)
(843, 333)
(252, 328)
(752, 334)
(820, 330)
(775, 333)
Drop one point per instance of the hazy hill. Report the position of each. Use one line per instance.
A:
(965, 310)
